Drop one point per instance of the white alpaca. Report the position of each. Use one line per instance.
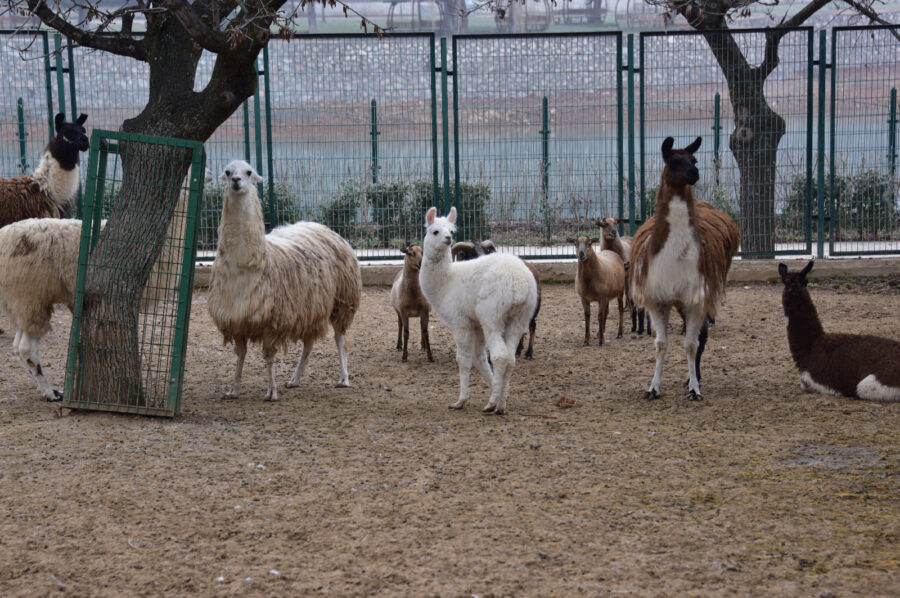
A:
(487, 303)
(38, 265)
(278, 288)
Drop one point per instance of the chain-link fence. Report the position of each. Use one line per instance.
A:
(532, 136)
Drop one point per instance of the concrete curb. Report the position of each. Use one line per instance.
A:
(741, 270)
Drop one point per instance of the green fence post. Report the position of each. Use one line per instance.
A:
(445, 128)
(257, 132)
(717, 130)
(246, 109)
(374, 134)
(810, 61)
(48, 83)
(270, 166)
(434, 130)
(60, 80)
(631, 173)
(820, 171)
(620, 140)
(456, 190)
(73, 104)
(892, 134)
(545, 151)
(20, 116)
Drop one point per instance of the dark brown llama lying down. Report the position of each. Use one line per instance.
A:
(852, 365)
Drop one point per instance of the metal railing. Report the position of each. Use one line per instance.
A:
(531, 136)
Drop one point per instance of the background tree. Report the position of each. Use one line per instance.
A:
(176, 34)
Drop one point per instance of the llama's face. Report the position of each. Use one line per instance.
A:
(239, 176)
(72, 133)
(413, 259)
(583, 247)
(609, 228)
(794, 284)
(681, 165)
(439, 231)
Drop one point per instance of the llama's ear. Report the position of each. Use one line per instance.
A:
(429, 216)
(667, 148)
(488, 246)
(451, 217)
(223, 177)
(461, 246)
(208, 176)
(81, 118)
(806, 269)
(59, 120)
(595, 239)
(694, 146)
(783, 271)
(254, 176)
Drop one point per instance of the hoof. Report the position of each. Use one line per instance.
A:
(404, 358)
(489, 408)
(431, 359)
(271, 395)
(342, 384)
(291, 384)
(57, 396)
(587, 343)
(229, 396)
(695, 396)
(651, 395)
(456, 406)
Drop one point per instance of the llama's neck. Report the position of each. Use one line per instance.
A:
(613, 244)
(58, 182)
(434, 275)
(65, 153)
(802, 320)
(674, 215)
(242, 234)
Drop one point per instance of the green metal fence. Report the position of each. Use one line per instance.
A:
(863, 178)
(141, 350)
(532, 136)
(761, 179)
(537, 137)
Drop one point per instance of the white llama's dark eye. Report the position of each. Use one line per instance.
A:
(248, 173)
(227, 173)
(434, 233)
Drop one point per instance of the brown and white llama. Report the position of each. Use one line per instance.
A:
(850, 365)
(680, 258)
(408, 301)
(600, 277)
(611, 239)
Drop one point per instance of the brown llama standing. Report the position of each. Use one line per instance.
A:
(408, 301)
(611, 239)
(852, 365)
(680, 258)
(600, 277)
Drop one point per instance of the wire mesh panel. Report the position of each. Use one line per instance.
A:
(26, 119)
(864, 179)
(756, 157)
(353, 134)
(135, 274)
(538, 151)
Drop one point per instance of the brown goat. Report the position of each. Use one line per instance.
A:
(599, 277)
(408, 301)
(469, 250)
(611, 240)
(680, 258)
(852, 365)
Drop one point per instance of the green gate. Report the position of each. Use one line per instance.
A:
(863, 178)
(769, 192)
(537, 138)
(145, 348)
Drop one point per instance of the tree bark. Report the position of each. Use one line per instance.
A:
(120, 265)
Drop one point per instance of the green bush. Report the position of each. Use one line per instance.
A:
(341, 212)
(388, 202)
(474, 200)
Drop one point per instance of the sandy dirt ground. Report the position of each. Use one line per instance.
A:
(380, 490)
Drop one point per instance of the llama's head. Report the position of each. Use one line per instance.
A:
(413, 259)
(609, 227)
(681, 165)
(469, 250)
(72, 134)
(795, 292)
(239, 176)
(583, 247)
(439, 231)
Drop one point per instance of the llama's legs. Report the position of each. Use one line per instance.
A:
(269, 352)
(532, 326)
(621, 315)
(426, 342)
(240, 349)
(399, 332)
(27, 348)
(587, 321)
(301, 365)
(465, 353)
(342, 356)
(503, 359)
(501, 405)
(661, 318)
(405, 355)
(694, 321)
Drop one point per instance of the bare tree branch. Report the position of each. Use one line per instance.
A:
(123, 45)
